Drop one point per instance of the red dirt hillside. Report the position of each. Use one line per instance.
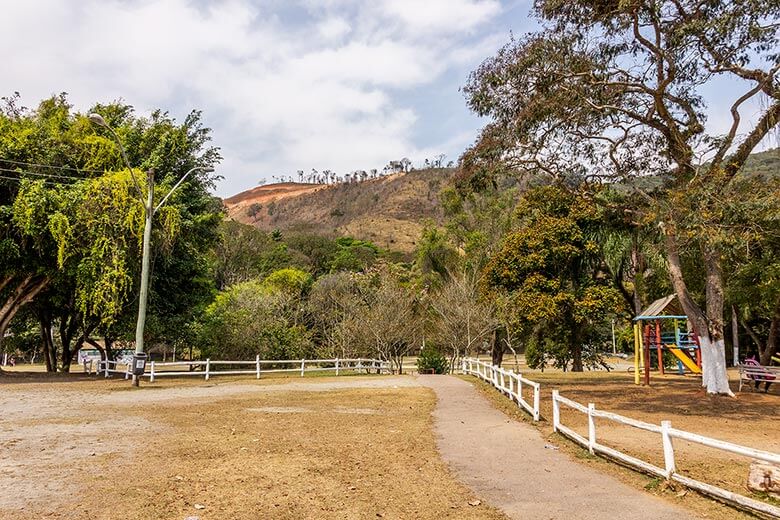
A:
(389, 211)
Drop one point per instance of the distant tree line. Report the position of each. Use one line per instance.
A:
(330, 177)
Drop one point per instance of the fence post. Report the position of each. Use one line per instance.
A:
(127, 370)
(591, 427)
(519, 391)
(257, 362)
(303, 366)
(105, 368)
(208, 366)
(151, 373)
(337, 366)
(501, 377)
(537, 397)
(556, 411)
(668, 449)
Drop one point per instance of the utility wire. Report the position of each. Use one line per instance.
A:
(47, 175)
(23, 163)
(17, 179)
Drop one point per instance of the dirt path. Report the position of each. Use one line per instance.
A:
(506, 462)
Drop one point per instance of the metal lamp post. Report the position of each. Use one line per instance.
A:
(139, 359)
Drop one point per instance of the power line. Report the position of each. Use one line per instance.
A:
(23, 163)
(17, 179)
(46, 175)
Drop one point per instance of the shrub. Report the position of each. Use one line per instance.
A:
(431, 360)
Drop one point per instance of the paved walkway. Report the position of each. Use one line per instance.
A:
(505, 462)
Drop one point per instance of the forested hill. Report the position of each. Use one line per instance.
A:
(389, 211)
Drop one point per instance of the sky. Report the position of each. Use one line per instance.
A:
(285, 85)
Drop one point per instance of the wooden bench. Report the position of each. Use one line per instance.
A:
(757, 374)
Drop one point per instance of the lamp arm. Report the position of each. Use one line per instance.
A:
(183, 177)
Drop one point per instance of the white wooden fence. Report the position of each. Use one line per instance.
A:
(108, 367)
(209, 368)
(507, 382)
(669, 471)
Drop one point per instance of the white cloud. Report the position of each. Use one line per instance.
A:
(327, 84)
(334, 28)
(442, 16)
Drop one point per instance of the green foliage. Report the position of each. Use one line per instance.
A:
(434, 255)
(247, 320)
(85, 236)
(353, 255)
(551, 270)
(288, 281)
(431, 360)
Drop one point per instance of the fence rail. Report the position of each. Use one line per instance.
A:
(669, 471)
(208, 368)
(508, 382)
(108, 367)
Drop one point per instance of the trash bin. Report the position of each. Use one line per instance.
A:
(139, 363)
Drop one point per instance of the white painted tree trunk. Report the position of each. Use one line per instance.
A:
(713, 360)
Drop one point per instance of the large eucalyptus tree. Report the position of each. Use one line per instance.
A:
(613, 90)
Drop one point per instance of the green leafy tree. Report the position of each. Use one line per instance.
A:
(615, 90)
(435, 257)
(77, 241)
(431, 360)
(249, 319)
(550, 268)
(353, 255)
(754, 261)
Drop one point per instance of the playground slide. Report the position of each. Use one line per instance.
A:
(687, 361)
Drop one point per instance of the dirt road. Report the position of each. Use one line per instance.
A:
(506, 462)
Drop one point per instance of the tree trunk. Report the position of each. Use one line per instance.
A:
(708, 327)
(95, 344)
(575, 347)
(109, 342)
(497, 348)
(24, 293)
(47, 341)
(69, 324)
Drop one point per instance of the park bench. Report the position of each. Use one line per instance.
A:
(755, 374)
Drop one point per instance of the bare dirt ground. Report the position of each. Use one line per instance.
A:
(348, 447)
(750, 419)
(353, 447)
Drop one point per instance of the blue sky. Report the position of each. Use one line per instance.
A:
(284, 84)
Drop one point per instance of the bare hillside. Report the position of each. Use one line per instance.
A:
(389, 211)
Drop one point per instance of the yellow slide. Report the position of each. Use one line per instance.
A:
(686, 359)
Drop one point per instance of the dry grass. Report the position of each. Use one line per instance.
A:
(749, 419)
(349, 453)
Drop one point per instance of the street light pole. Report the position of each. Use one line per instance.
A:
(143, 295)
(149, 210)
